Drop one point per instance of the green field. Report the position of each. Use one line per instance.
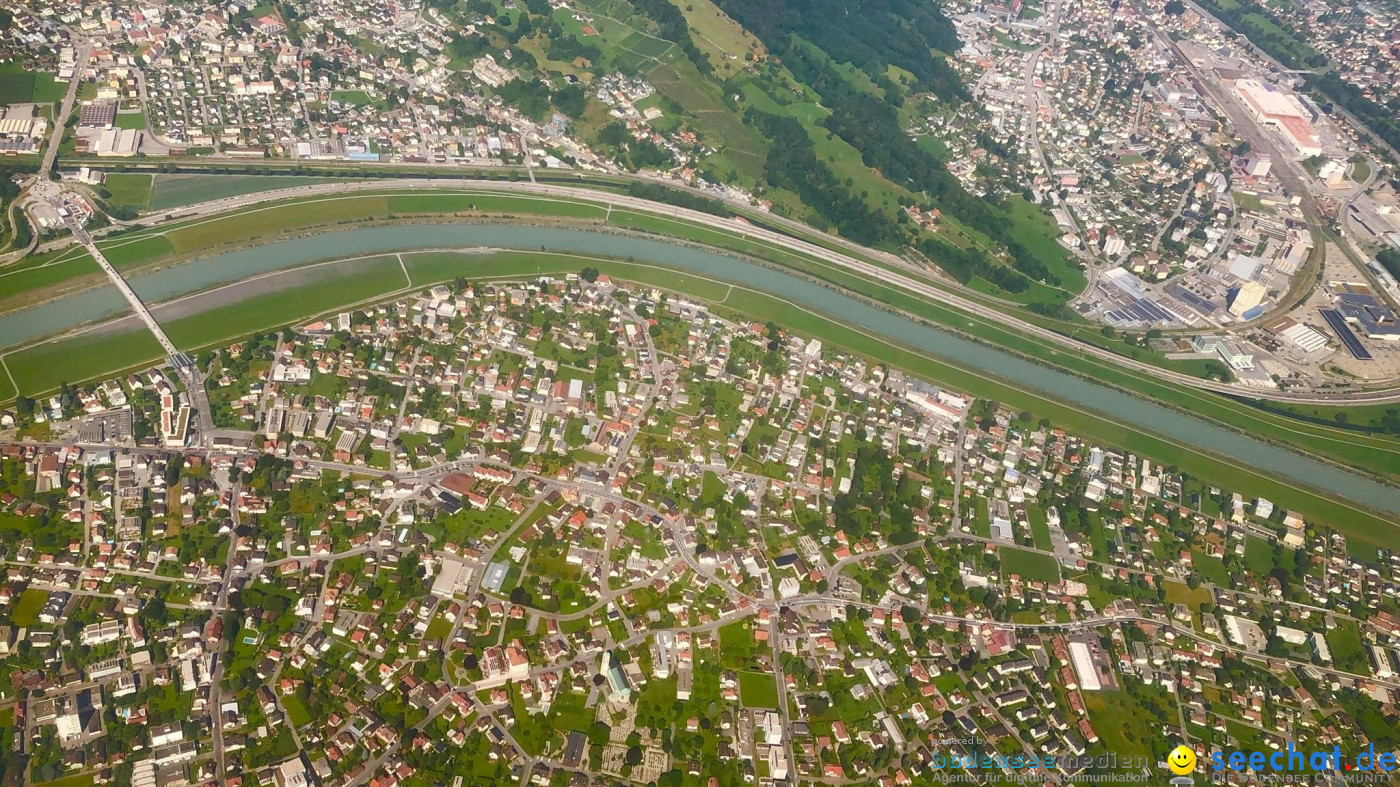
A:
(45, 367)
(80, 780)
(357, 97)
(1124, 727)
(492, 203)
(262, 222)
(1347, 648)
(1181, 593)
(133, 189)
(1360, 170)
(740, 144)
(334, 287)
(297, 713)
(1211, 569)
(1034, 230)
(1259, 556)
(1031, 566)
(1040, 530)
(128, 253)
(758, 689)
(45, 276)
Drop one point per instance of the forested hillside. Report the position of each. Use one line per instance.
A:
(803, 103)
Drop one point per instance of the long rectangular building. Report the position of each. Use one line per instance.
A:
(1344, 332)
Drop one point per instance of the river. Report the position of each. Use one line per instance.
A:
(1281, 463)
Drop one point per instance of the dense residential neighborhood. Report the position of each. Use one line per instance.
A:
(569, 529)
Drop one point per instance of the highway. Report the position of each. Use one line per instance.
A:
(830, 257)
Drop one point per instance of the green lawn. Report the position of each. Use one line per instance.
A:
(1259, 556)
(296, 710)
(1123, 725)
(176, 191)
(356, 97)
(1250, 202)
(26, 610)
(1181, 593)
(1031, 566)
(80, 780)
(18, 86)
(1211, 569)
(758, 689)
(1040, 529)
(131, 120)
(439, 628)
(1347, 652)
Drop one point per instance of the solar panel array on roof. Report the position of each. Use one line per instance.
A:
(1344, 332)
(1139, 312)
(1191, 299)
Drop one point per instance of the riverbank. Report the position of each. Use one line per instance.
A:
(235, 237)
(1099, 412)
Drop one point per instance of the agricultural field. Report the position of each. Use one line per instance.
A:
(130, 189)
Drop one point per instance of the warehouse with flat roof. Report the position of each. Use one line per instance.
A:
(1282, 111)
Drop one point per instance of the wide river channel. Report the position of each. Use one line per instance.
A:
(66, 313)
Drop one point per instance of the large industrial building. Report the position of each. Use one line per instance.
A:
(1249, 295)
(1282, 111)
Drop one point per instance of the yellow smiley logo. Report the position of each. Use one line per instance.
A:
(1182, 760)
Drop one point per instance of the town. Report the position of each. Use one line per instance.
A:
(572, 530)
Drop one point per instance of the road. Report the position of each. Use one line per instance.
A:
(82, 48)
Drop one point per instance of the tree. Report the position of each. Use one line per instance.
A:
(634, 756)
(589, 274)
(156, 612)
(599, 733)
